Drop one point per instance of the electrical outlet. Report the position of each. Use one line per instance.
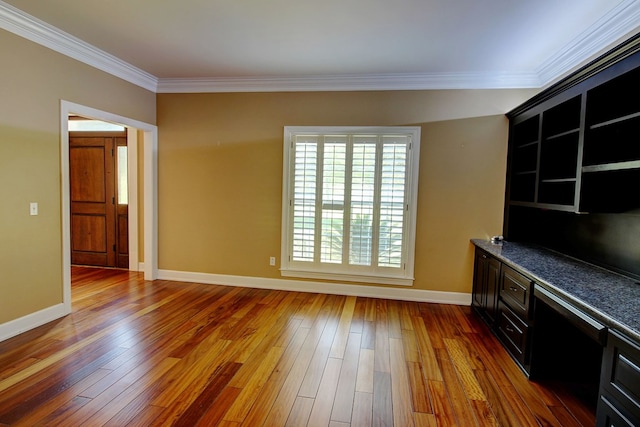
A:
(272, 261)
(33, 208)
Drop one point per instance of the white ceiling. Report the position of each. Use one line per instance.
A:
(353, 43)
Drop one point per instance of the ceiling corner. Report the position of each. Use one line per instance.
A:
(607, 31)
(24, 25)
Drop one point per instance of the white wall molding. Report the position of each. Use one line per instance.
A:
(24, 25)
(403, 294)
(150, 190)
(620, 22)
(368, 82)
(31, 321)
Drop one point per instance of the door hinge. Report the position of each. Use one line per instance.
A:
(114, 248)
(113, 200)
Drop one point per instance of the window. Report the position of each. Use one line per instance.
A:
(122, 175)
(78, 124)
(349, 203)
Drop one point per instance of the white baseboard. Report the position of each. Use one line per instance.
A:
(404, 294)
(39, 318)
(15, 327)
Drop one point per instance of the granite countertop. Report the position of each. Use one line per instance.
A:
(608, 297)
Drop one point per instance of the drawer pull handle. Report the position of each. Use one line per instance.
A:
(509, 329)
(513, 289)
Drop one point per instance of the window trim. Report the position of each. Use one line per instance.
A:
(384, 275)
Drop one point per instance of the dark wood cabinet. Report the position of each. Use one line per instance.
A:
(485, 285)
(574, 147)
(573, 171)
(514, 312)
(544, 151)
(513, 332)
(619, 402)
(610, 416)
(502, 297)
(515, 291)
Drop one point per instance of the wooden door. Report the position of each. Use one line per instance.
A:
(99, 224)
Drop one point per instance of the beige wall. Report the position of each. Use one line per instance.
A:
(220, 170)
(34, 80)
(220, 173)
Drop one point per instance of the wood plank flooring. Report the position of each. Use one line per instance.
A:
(136, 353)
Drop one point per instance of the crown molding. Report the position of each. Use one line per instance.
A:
(619, 23)
(24, 25)
(350, 83)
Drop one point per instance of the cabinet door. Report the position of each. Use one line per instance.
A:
(610, 415)
(486, 285)
(620, 379)
(516, 291)
(514, 334)
(492, 288)
(480, 280)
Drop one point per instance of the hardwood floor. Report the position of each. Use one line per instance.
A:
(136, 353)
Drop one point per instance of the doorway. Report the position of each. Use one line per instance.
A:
(98, 178)
(149, 144)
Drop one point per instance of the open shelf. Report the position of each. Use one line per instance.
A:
(610, 191)
(613, 142)
(605, 167)
(615, 121)
(525, 158)
(558, 157)
(557, 192)
(580, 151)
(562, 118)
(547, 206)
(523, 187)
(562, 134)
(527, 131)
(614, 99)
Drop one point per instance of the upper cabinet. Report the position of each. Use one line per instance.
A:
(611, 153)
(524, 158)
(576, 146)
(557, 180)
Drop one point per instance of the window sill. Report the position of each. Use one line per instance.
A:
(378, 280)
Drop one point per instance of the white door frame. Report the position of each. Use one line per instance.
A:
(150, 191)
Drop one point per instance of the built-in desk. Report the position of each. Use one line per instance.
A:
(609, 297)
(548, 305)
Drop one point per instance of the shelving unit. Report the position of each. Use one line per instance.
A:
(526, 143)
(611, 155)
(579, 150)
(583, 158)
(558, 159)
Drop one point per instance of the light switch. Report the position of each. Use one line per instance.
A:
(33, 208)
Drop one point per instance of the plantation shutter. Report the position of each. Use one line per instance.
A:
(348, 207)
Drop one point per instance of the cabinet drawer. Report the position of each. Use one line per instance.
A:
(513, 332)
(515, 290)
(610, 414)
(621, 373)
